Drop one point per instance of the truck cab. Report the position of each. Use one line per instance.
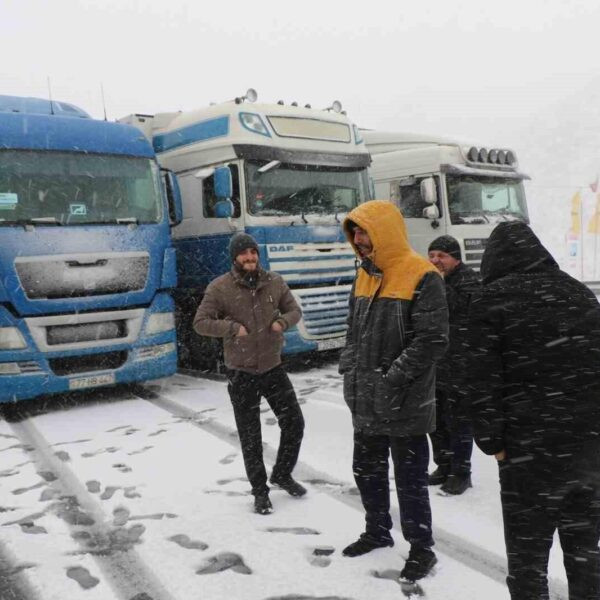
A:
(283, 173)
(86, 260)
(444, 186)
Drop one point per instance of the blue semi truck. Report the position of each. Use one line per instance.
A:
(285, 174)
(86, 259)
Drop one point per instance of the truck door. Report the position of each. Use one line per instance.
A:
(406, 195)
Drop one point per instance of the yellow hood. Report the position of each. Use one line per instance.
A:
(402, 267)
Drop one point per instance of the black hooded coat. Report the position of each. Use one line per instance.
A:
(534, 338)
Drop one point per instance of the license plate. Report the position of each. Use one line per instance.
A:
(331, 343)
(93, 381)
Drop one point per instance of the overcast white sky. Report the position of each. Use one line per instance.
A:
(498, 73)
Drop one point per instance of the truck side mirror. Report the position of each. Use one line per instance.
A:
(223, 183)
(431, 212)
(173, 197)
(429, 191)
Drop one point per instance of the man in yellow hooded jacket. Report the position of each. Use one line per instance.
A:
(397, 331)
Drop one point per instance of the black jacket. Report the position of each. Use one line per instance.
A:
(451, 374)
(534, 333)
(397, 330)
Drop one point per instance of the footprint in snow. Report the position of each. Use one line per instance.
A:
(120, 516)
(229, 493)
(30, 527)
(130, 492)
(122, 467)
(62, 455)
(108, 493)
(93, 487)
(20, 491)
(82, 577)
(230, 480)
(319, 557)
(144, 449)
(184, 541)
(294, 530)
(301, 597)
(223, 562)
(226, 460)
(270, 421)
(118, 428)
(154, 517)
(158, 432)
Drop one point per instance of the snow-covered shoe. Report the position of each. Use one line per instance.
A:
(419, 563)
(262, 504)
(365, 543)
(439, 476)
(457, 484)
(290, 485)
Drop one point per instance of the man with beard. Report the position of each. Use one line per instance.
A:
(535, 401)
(397, 330)
(250, 308)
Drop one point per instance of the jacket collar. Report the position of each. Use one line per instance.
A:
(262, 277)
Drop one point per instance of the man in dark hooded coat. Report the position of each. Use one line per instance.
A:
(397, 331)
(535, 402)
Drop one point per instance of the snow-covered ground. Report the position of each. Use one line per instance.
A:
(142, 496)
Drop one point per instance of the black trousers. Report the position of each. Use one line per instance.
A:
(245, 391)
(452, 440)
(538, 499)
(410, 456)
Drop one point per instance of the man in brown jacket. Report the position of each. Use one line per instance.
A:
(250, 308)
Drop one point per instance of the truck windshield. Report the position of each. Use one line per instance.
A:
(478, 200)
(289, 189)
(68, 188)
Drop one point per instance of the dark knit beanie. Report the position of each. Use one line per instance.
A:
(447, 244)
(240, 242)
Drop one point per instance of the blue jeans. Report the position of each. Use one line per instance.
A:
(410, 456)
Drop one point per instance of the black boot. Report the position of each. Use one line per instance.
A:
(439, 476)
(365, 543)
(262, 504)
(418, 564)
(290, 485)
(457, 484)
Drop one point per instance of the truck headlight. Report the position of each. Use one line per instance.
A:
(11, 339)
(159, 322)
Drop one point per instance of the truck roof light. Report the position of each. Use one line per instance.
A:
(307, 106)
(473, 154)
(280, 102)
(336, 106)
(501, 157)
(511, 159)
(483, 155)
(294, 103)
(493, 156)
(250, 95)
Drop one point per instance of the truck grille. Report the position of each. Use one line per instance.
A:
(72, 365)
(312, 263)
(324, 311)
(474, 248)
(80, 275)
(85, 332)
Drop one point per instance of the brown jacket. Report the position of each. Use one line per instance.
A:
(230, 301)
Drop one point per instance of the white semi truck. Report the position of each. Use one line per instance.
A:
(286, 174)
(443, 186)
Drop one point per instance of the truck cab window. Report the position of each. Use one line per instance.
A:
(209, 200)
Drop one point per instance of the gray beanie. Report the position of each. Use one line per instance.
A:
(447, 244)
(240, 242)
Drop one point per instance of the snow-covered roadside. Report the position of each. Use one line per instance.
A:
(475, 516)
(187, 488)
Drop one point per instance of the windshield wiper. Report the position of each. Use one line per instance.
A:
(270, 165)
(44, 220)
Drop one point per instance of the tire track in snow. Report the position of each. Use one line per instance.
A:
(471, 555)
(124, 571)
